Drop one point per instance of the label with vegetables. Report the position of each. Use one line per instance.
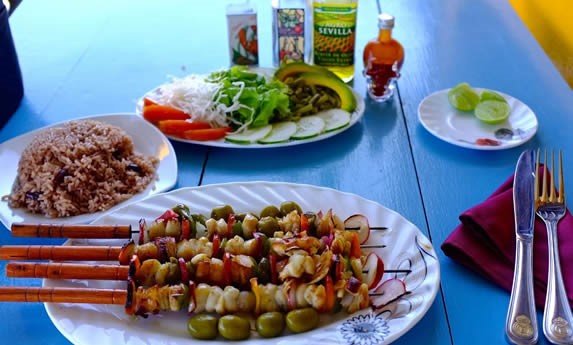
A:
(290, 34)
(243, 41)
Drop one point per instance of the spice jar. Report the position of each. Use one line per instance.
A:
(383, 58)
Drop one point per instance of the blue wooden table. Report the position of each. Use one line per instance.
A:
(80, 58)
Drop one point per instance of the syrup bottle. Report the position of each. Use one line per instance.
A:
(383, 58)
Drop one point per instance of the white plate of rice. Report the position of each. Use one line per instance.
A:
(129, 157)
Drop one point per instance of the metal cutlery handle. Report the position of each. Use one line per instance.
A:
(521, 324)
(557, 318)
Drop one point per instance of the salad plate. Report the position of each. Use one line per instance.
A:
(267, 73)
(463, 129)
(401, 245)
(147, 140)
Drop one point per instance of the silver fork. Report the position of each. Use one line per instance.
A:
(557, 317)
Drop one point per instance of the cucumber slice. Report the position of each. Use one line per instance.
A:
(308, 127)
(281, 132)
(250, 135)
(334, 119)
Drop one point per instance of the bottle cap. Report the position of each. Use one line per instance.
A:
(385, 21)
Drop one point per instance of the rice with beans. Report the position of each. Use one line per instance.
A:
(84, 166)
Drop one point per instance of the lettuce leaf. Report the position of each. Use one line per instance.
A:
(260, 101)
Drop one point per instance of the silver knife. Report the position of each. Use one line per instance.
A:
(521, 324)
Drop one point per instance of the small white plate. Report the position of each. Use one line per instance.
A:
(464, 129)
(268, 73)
(147, 139)
(406, 249)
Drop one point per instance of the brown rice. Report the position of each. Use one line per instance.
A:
(84, 166)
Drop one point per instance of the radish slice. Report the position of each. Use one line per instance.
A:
(373, 270)
(388, 292)
(358, 223)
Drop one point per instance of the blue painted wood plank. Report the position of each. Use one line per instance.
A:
(485, 44)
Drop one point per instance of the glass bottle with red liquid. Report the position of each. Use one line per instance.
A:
(383, 58)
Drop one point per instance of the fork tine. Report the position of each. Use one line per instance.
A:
(561, 198)
(536, 180)
(552, 197)
(543, 197)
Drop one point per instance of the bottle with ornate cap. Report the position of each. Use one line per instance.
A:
(383, 58)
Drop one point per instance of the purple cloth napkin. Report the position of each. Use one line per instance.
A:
(485, 243)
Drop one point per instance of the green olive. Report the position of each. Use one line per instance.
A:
(302, 320)
(222, 212)
(270, 211)
(311, 218)
(268, 226)
(234, 327)
(270, 324)
(289, 206)
(264, 271)
(202, 326)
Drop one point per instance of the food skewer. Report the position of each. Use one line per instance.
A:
(52, 270)
(71, 231)
(60, 253)
(62, 295)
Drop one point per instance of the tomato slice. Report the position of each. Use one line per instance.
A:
(147, 102)
(156, 113)
(206, 134)
(178, 127)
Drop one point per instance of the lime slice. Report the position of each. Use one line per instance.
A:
(492, 112)
(281, 132)
(488, 95)
(463, 97)
(334, 119)
(308, 127)
(250, 135)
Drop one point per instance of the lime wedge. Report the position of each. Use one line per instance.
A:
(463, 97)
(250, 135)
(488, 95)
(334, 119)
(281, 132)
(492, 112)
(308, 127)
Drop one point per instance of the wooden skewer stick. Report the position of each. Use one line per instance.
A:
(66, 271)
(71, 230)
(356, 228)
(60, 253)
(62, 295)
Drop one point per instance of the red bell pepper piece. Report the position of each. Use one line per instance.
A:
(304, 226)
(330, 298)
(185, 229)
(355, 246)
(216, 245)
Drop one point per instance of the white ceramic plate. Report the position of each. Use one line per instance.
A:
(147, 139)
(464, 129)
(354, 118)
(406, 249)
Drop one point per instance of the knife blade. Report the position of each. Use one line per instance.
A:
(521, 323)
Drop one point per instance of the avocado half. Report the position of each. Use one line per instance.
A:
(347, 99)
(294, 69)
